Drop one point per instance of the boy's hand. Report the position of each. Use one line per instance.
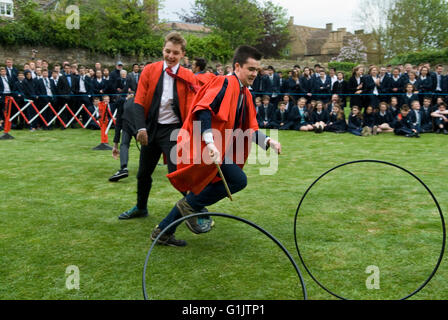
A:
(275, 145)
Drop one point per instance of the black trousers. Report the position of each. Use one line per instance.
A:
(149, 157)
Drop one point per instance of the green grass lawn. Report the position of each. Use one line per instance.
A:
(58, 209)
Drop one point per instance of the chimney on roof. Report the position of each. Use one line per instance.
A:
(329, 27)
(291, 20)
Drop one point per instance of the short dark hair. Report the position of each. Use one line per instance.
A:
(296, 66)
(135, 64)
(244, 53)
(201, 63)
(404, 107)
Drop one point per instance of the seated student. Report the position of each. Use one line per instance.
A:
(289, 100)
(403, 124)
(336, 122)
(355, 121)
(422, 123)
(368, 122)
(258, 104)
(334, 100)
(410, 95)
(440, 119)
(298, 117)
(340, 87)
(266, 113)
(280, 118)
(93, 109)
(384, 120)
(394, 109)
(427, 109)
(319, 117)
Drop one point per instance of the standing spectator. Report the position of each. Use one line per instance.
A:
(371, 88)
(271, 84)
(426, 84)
(293, 85)
(187, 63)
(322, 86)
(441, 81)
(11, 71)
(98, 83)
(340, 87)
(63, 91)
(409, 95)
(133, 77)
(83, 90)
(97, 66)
(333, 76)
(6, 89)
(384, 85)
(355, 87)
(46, 96)
(396, 85)
(115, 75)
(198, 68)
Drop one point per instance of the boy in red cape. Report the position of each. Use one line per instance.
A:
(165, 93)
(223, 105)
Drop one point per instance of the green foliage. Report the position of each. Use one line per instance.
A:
(417, 25)
(244, 22)
(212, 47)
(433, 56)
(109, 27)
(276, 33)
(342, 66)
(237, 21)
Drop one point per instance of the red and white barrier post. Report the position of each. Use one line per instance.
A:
(7, 121)
(104, 122)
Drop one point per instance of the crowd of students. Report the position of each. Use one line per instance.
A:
(67, 83)
(408, 100)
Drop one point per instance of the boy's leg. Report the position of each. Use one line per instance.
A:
(236, 180)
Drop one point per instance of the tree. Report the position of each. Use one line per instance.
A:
(416, 25)
(238, 21)
(354, 51)
(372, 16)
(276, 33)
(243, 22)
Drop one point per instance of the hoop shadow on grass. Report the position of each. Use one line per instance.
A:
(388, 164)
(253, 225)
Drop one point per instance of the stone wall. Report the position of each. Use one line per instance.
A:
(22, 54)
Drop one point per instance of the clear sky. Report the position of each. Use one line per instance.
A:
(315, 13)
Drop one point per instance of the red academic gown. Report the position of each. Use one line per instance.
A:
(193, 172)
(148, 83)
(204, 78)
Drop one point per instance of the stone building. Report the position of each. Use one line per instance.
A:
(321, 44)
(186, 28)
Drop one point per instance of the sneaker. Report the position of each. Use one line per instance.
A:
(445, 131)
(375, 130)
(120, 174)
(133, 213)
(167, 239)
(186, 210)
(206, 222)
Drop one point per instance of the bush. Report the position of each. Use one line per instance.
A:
(433, 56)
(342, 66)
(212, 47)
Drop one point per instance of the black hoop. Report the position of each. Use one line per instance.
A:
(389, 164)
(278, 243)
